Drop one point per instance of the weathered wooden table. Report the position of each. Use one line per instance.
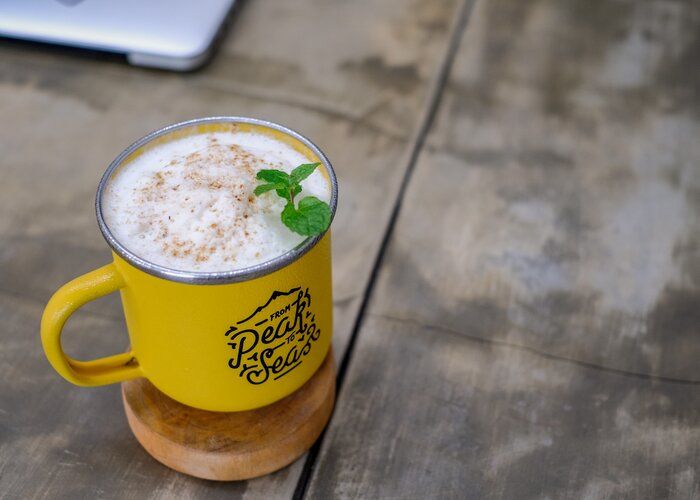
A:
(517, 249)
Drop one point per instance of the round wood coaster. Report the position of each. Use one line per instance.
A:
(230, 446)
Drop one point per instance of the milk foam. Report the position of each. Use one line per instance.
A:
(189, 205)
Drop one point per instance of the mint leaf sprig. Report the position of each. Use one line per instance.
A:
(312, 216)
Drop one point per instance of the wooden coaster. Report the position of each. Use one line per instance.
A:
(230, 446)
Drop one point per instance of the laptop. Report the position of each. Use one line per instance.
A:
(168, 34)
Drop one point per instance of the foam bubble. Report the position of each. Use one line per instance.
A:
(189, 205)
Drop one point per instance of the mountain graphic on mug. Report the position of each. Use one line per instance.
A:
(284, 327)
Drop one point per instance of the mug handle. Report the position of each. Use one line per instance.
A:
(65, 302)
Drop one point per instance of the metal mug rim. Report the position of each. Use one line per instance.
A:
(215, 277)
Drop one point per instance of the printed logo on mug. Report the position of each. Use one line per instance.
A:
(226, 308)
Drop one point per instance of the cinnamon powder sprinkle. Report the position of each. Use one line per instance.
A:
(196, 210)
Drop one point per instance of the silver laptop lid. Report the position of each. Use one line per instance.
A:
(168, 34)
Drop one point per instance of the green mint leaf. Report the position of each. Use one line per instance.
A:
(274, 176)
(264, 188)
(302, 172)
(289, 215)
(283, 192)
(311, 218)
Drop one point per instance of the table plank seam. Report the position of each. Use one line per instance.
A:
(425, 122)
(534, 351)
(247, 92)
(359, 119)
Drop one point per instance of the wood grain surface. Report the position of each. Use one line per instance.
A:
(354, 77)
(531, 330)
(534, 328)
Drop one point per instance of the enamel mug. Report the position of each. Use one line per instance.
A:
(219, 341)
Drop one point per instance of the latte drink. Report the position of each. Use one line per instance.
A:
(188, 204)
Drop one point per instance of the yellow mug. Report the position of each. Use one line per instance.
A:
(219, 341)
